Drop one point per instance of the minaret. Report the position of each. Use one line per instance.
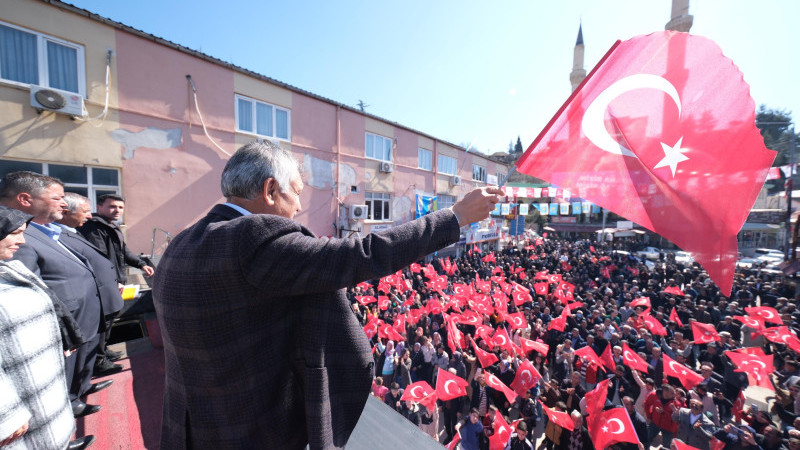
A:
(681, 20)
(578, 73)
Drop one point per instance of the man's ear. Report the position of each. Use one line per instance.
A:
(270, 191)
(24, 199)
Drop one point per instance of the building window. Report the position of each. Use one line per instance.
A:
(262, 119)
(478, 173)
(90, 182)
(445, 201)
(447, 165)
(500, 177)
(33, 58)
(378, 205)
(424, 159)
(378, 147)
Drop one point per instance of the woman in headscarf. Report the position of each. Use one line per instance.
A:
(35, 411)
(388, 363)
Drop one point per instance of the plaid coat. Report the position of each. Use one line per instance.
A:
(262, 348)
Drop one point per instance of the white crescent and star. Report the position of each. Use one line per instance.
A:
(621, 426)
(673, 363)
(627, 355)
(446, 389)
(593, 123)
(526, 376)
(764, 312)
(414, 389)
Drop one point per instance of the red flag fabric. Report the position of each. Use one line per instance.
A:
(642, 120)
(371, 328)
(489, 258)
(485, 358)
(554, 278)
(614, 426)
(453, 445)
(752, 322)
(526, 377)
(438, 283)
(688, 377)
(673, 316)
(641, 301)
(704, 333)
(364, 286)
(782, 335)
(608, 359)
(541, 275)
(414, 315)
(560, 418)
(631, 359)
(516, 320)
(470, 317)
(560, 322)
(596, 400)
(434, 307)
(528, 345)
(495, 383)
(654, 325)
(540, 288)
(501, 339)
(476, 249)
(757, 367)
(765, 313)
(674, 290)
(415, 268)
(502, 433)
(681, 446)
(588, 353)
(449, 386)
(366, 299)
(383, 302)
(484, 332)
(521, 297)
(417, 391)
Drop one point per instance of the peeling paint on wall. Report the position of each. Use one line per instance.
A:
(402, 210)
(347, 178)
(320, 172)
(155, 138)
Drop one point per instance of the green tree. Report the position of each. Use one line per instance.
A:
(776, 127)
(518, 147)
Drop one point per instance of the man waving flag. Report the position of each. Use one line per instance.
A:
(662, 128)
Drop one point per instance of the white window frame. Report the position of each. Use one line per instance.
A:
(445, 201)
(481, 173)
(382, 139)
(254, 111)
(41, 56)
(385, 198)
(424, 155)
(90, 186)
(442, 166)
(500, 176)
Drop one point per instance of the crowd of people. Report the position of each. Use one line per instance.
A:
(62, 270)
(576, 295)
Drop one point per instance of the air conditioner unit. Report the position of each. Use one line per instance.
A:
(56, 100)
(358, 212)
(455, 180)
(386, 167)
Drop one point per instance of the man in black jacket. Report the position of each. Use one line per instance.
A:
(103, 231)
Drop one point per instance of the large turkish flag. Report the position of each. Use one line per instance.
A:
(659, 132)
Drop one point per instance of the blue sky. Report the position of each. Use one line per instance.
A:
(463, 71)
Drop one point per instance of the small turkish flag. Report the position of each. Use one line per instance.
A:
(541, 288)
(495, 383)
(636, 139)
(654, 325)
(756, 366)
(688, 377)
(674, 290)
(414, 314)
(560, 322)
(453, 445)
(614, 426)
(751, 322)
(489, 258)
(641, 301)
(501, 339)
(704, 333)
(765, 313)
(415, 268)
(383, 302)
(782, 335)
(528, 345)
(673, 316)
(588, 353)
(470, 317)
(449, 386)
(554, 278)
(438, 283)
(633, 360)
(502, 432)
(366, 299)
(608, 359)
(542, 275)
(520, 297)
(417, 391)
(485, 358)
(561, 419)
(434, 307)
(484, 332)
(516, 320)
(596, 400)
(371, 328)
(526, 377)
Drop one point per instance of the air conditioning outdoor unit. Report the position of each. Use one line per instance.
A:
(358, 212)
(386, 167)
(455, 180)
(56, 100)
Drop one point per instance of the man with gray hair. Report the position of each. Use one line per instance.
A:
(262, 349)
(76, 214)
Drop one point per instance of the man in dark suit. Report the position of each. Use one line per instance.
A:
(262, 349)
(76, 214)
(66, 272)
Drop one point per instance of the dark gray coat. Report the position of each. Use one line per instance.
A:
(262, 347)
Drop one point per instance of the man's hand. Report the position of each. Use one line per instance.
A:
(148, 271)
(477, 204)
(15, 435)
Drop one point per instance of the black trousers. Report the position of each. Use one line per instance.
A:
(104, 335)
(79, 368)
